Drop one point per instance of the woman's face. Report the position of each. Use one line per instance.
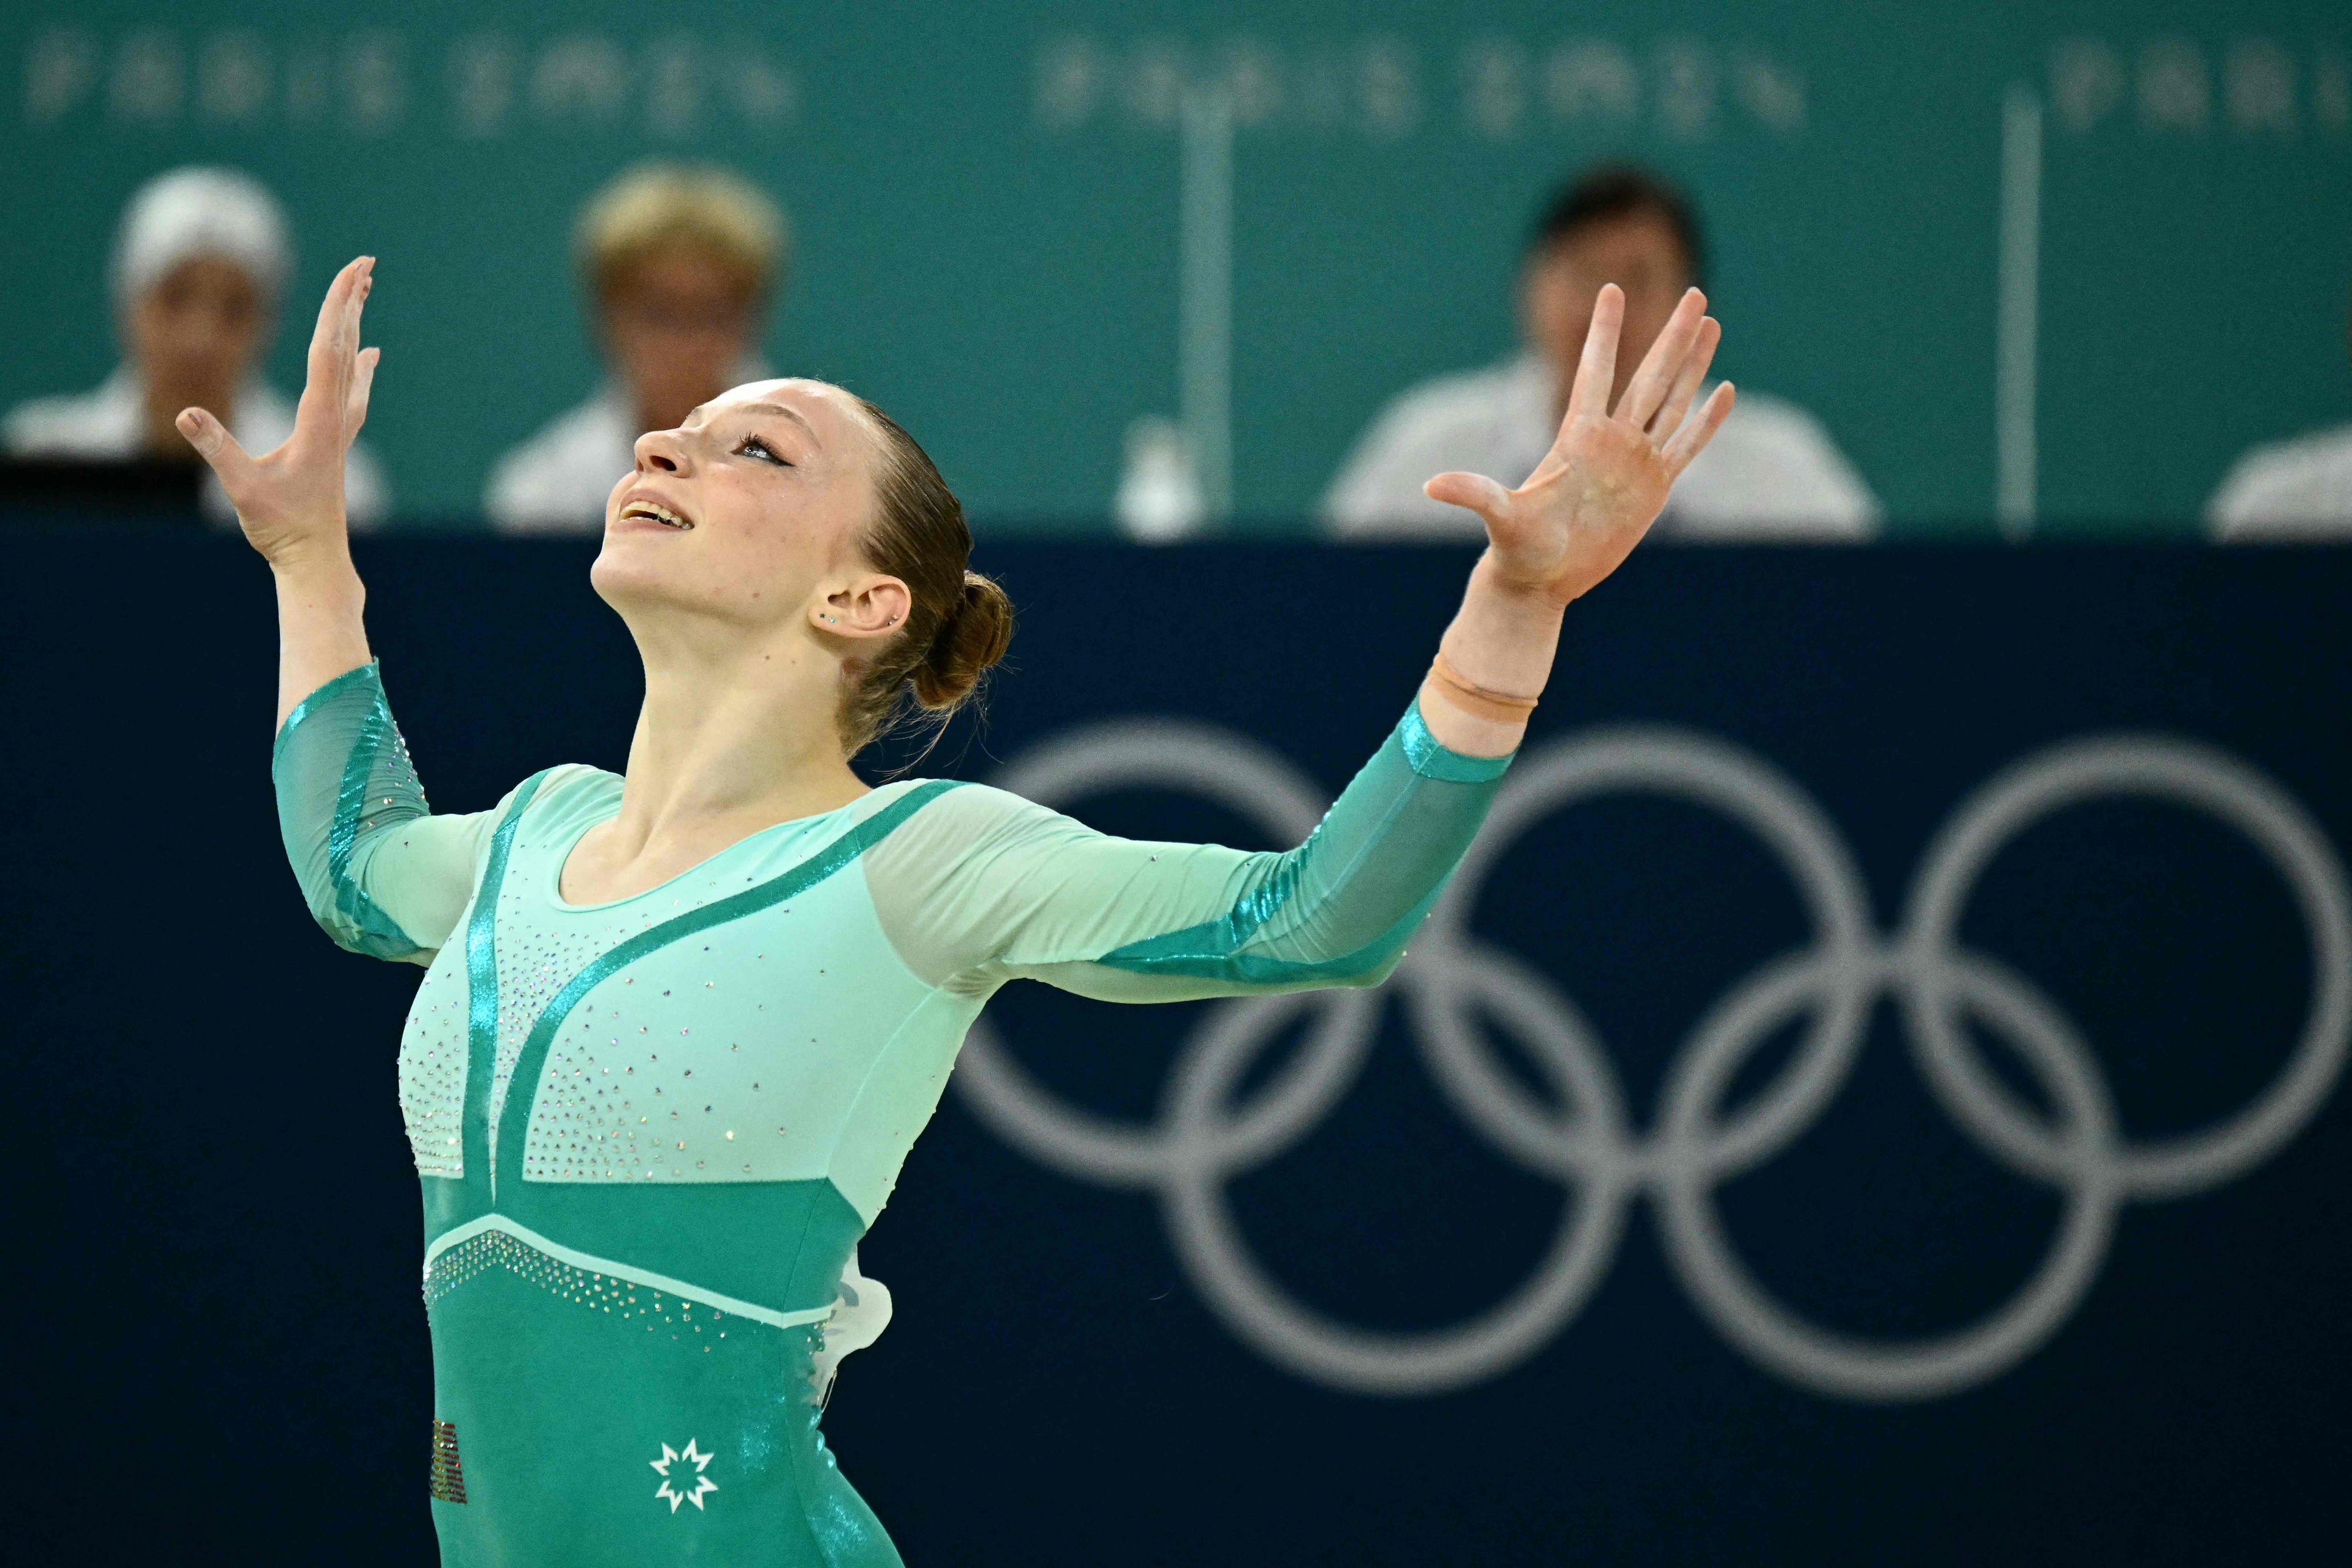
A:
(1641, 254)
(748, 513)
(676, 323)
(194, 332)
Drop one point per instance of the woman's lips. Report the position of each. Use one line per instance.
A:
(654, 512)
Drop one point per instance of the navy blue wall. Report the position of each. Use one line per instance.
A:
(217, 1344)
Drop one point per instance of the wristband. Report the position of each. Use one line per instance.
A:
(1495, 708)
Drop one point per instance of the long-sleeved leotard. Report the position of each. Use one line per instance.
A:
(652, 1130)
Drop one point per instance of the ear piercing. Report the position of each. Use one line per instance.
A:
(828, 619)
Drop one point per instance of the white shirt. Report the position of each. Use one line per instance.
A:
(1771, 472)
(558, 481)
(108, 425)
(2299, 490)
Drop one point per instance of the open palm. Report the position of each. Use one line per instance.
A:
(291, 499)
(1605, 479)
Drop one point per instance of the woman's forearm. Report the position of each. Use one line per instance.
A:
(1504, 639)
(321, 633)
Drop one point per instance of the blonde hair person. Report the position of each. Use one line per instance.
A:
(679, 1027)
(679, 263)
(200, 259)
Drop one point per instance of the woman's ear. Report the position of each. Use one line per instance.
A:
(874, 606)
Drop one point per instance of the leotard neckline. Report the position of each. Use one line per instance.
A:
(554, 883)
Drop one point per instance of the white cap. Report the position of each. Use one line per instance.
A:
(196, 212)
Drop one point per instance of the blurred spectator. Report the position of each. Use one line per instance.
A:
(1771, 473)
(200, 264)
(681, 264)
(2299, 490)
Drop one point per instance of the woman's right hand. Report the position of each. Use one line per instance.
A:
(289, 502)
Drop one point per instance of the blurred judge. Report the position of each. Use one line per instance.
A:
(1771, 473)
(200, 262)
(2290, 490)
(679, 264)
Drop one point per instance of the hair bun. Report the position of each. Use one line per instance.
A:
(957, 622)
(973, 637)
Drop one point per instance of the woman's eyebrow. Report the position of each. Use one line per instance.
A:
(791, 414)
(703, 413)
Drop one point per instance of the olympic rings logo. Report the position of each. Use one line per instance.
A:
(1200, 1139)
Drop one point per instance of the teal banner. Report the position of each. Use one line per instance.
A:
(987, 203)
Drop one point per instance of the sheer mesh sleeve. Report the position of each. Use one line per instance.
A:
(383, 875)
(982, 887)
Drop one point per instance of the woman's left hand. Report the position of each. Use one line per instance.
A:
(1605, 479)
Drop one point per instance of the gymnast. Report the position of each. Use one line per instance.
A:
(678, 1028)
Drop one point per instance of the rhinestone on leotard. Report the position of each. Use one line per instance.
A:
(607, 1294)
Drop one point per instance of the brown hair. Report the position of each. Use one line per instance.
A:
(958, 622)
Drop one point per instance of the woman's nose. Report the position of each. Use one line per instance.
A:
(661, 451)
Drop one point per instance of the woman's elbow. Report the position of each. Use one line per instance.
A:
(353, 923)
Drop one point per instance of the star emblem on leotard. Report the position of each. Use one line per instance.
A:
(703, 1484)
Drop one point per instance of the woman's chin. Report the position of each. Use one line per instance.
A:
(627, 572)
(636, 581)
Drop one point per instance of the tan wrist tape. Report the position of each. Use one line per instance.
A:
(1496, 708)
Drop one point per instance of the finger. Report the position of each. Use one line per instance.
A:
(324, 383)
(358, 306)
(334, 312)
(1475, 492)
(333, 344)
(356, 406)
(1686, 384)
(1596, 371)
(1664, 359)
(1699, 429)
(216, 447)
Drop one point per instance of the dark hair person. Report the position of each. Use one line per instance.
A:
(679, 1028)
(1772, 472)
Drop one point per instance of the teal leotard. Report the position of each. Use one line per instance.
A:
(651, 1131)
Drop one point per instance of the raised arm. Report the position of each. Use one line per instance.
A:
(382, 875)
(1577, 517)
(980, 888)
(289, 502)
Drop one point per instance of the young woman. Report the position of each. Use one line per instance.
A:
(678, 1029)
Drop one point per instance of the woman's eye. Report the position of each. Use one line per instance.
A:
(754, 447)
